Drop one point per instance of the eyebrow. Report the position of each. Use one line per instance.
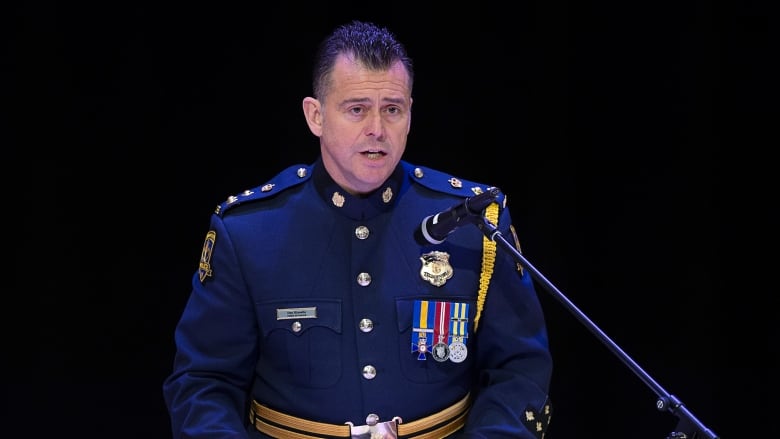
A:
(398, 101)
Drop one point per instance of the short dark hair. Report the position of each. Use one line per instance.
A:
(374, 47)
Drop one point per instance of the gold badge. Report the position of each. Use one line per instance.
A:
(436, 267)
(204, 267)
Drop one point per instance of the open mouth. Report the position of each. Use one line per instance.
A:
(374, 154)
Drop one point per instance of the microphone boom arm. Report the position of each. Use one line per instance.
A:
(688, 426)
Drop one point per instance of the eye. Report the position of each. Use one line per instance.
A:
(357, 110)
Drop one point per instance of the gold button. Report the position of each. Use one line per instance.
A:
(366, 325)
(369, 372)
(372, 419)
(361, 232)
(364, 279)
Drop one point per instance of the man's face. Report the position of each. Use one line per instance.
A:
(362, 123)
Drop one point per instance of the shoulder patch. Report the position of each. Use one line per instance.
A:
(442, 182)
(204, 266)
(292, 176)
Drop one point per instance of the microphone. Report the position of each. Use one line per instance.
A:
(435, 228)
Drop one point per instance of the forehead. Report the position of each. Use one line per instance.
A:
(351, 77)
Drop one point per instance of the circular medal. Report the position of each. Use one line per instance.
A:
(440, 351)
(458, 352)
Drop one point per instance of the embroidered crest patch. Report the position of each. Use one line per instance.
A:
(204, 267)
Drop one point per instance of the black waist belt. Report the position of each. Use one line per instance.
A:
(436, 426)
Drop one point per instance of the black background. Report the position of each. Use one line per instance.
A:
(624, 135)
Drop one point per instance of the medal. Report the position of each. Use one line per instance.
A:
(458, 351)
(459, 332)
(441, 331)
(421, 327)
(440, 352)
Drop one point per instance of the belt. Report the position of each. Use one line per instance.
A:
(436, 426)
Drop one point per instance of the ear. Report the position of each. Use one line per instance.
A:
(409, 119)
(313, 114)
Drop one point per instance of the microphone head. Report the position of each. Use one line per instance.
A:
(434, 229)
(479, 202)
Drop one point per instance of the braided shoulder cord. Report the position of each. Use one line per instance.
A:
(488, 262)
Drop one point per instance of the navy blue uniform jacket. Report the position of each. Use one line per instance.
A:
(301, 246)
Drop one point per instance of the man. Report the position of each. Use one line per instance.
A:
(319, 310)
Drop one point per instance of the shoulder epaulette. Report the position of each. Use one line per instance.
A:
(442, 182)
(292, 176)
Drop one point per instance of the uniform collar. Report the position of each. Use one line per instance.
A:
(357, 207)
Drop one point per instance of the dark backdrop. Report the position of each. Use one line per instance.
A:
(615, 128)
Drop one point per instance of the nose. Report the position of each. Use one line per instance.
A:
(375, 125)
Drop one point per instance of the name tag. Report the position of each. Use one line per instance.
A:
(296, 313)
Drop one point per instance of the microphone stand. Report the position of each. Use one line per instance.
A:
(688, 427)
